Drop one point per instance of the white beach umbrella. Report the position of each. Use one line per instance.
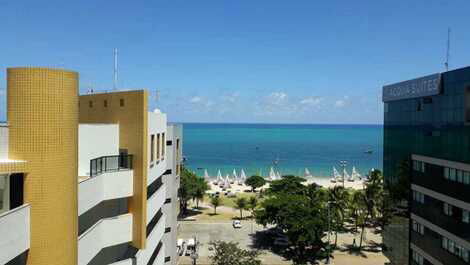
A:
(242, 175)
(206, 174)
(272, 174)
(234, 174)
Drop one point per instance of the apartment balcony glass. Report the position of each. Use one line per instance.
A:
(110, 164)
(14, 232)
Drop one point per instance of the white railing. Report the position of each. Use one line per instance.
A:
(106, 186)
(107, 232)
(14, 232)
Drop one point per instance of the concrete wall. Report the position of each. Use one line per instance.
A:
(107, 232)
(14, 233)
(106, 186)
(172, 181)
(3, 142)
(96, 140)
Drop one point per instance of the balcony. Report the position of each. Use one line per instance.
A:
(107, 232)
(110, 164)
(105, 186)
(154, 249)
(155, 203)
(14, 232)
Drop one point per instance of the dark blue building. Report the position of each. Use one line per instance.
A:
(427, 123)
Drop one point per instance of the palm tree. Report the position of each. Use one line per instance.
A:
(252, 204)
(240, 204)
(215, 201)
(200, 190)
(339, 197)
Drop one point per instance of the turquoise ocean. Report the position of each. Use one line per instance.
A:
(288, 148)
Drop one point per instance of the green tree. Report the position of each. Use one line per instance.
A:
(201, 187)
(252, 204)
(228, 253)
(241, 204)
(301, 212)
(339, 199)
(255, 182)
(215, 201)
(191, 187)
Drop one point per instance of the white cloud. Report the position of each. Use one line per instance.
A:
(277, 98)
(311, 101)
(195, 99)
(231, 98)
(340, 103)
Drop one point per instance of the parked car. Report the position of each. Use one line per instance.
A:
(237, 224)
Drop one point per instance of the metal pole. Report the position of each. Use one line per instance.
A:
(115, 68)
(329, 231)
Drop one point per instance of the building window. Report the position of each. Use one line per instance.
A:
(163, 146)
(105, 103)
(452, 175)
(121, 102)
(152, 146)
(418, 196)
(90, 104)
(417, 258)
(418, 166)
(167, 259)
(158, 146)
(448, 209)
(465, 216)
(417, 227)
(466, 177)
(457, 175)
(455, 249)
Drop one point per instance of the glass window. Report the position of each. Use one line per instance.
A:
(163, 146)
(152, 146)
(446, 173)
(452, 175)
(465, 216)
(451, 246)
(445, 243)
(158, 146)
(447, 209)
(422, 166)
(90, 104)
(466, 177)
(459, 176)
(4, 204)
(105, 103)
(121, 102)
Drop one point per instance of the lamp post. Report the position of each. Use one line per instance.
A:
(343, 164)
(194, 254)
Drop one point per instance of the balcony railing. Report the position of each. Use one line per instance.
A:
(110, 163)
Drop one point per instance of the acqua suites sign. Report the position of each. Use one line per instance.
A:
(420, 87)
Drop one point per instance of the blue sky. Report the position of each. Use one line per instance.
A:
(299, 61)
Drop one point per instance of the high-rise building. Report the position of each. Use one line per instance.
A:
(426, 124)
(88, 179)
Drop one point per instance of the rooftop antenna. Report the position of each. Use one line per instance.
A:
(115, 69)
(448, 50)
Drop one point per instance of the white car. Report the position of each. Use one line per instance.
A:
(237, 224)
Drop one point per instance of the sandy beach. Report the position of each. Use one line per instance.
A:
(322, 181)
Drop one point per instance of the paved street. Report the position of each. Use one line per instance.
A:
(212, 231)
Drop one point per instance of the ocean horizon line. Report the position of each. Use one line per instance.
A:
(280, 123)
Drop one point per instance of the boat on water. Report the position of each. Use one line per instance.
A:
(307, 173)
